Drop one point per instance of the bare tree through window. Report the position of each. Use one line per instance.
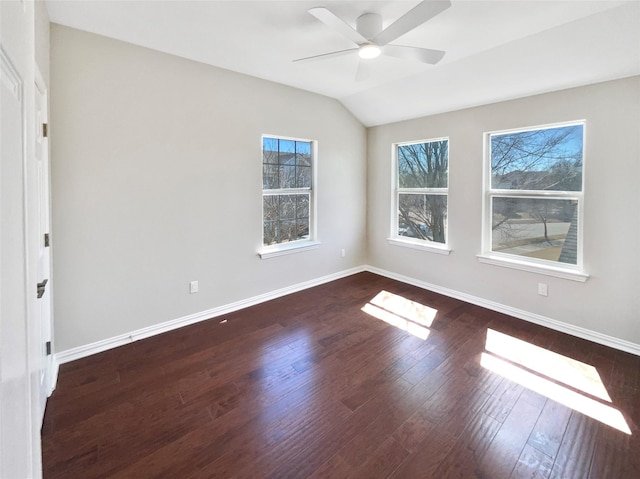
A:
(535, 191)
(422, 175)
(286, 190)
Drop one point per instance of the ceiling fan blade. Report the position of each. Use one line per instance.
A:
(424, 55)
(326, 55)
(331, 20)
(410, 20)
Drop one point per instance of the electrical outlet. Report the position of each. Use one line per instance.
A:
(543, 290)
(343, 252)
(193, 287)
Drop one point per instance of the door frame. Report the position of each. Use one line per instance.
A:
(41, 142)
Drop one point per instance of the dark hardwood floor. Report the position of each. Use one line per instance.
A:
(310, 385)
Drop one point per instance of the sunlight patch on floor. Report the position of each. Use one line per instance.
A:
(573, 373)
(402, 313)
(537, 369)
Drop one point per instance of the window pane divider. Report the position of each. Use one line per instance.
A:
(423, 191)
(286, 191)
(536, 194)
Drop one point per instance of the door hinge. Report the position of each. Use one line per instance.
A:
(45, 130)
(47, 345)
(46, 240)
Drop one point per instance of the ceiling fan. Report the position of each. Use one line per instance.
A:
(372, 40)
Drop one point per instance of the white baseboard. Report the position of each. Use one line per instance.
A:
(53, 380)
(103, 345)
(110, 343)
(577, 331)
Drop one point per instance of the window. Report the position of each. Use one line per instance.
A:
(287, 192)
(533, 199)
(420, 195)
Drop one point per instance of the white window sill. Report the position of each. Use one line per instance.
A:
(287, 248)
(558, 272)
(420, 245)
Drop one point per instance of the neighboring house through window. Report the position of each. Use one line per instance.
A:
(287, 192)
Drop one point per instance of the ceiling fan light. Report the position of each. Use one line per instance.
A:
(369, 51)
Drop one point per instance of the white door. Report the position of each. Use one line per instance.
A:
(18, 448)
(43, 260)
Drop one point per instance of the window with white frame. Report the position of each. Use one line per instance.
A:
(534, 195)
(421, 188)
(287, 190)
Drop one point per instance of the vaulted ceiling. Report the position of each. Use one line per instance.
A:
(495, 50)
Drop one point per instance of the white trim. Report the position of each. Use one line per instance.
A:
(513, 263)
(10, 77)
(53, 378)
(288, 248)
(420, 245)
(551, 268)
(41, 87)
(109, 343)
(544, 126)
(556, 325)
(396, 191)
(99, 346)
(310, 191)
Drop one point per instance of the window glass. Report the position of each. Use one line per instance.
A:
(423, 165)
(547, 159)
(535, 194)
(422, 176)
(287, 186)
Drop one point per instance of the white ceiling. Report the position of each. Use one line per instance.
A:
(496, 50)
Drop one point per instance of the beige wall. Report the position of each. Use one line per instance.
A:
(157, 182)
(608, 302)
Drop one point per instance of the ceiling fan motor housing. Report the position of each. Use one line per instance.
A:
(369, 25)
